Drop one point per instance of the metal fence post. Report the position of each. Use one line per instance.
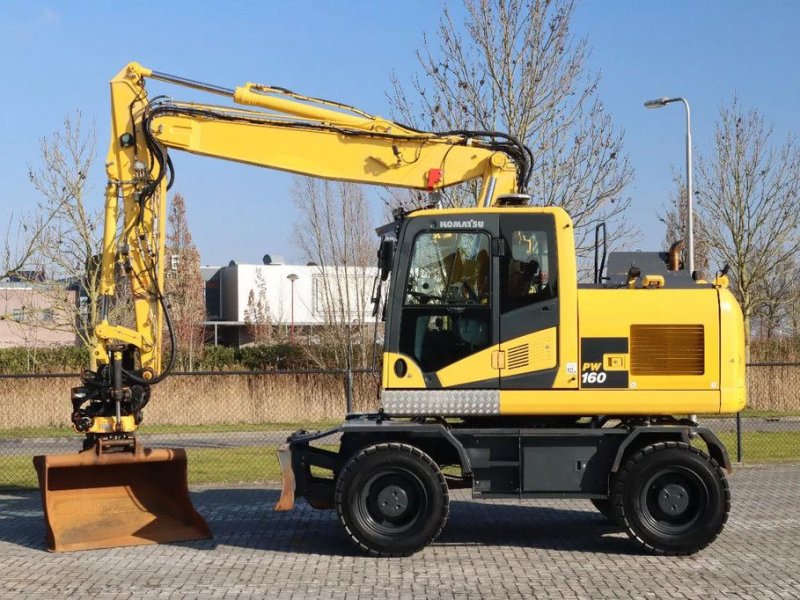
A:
(349, 389)
(738, 437)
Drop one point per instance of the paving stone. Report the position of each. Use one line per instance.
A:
(499, 549)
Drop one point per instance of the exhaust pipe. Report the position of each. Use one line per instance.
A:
(674, 261)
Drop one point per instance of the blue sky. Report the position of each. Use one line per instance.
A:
(58, 57)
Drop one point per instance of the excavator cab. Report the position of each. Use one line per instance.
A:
(115, 492)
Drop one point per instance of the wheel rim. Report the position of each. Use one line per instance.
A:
(392, 502)
(673, 500)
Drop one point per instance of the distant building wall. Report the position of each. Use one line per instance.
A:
(234, 284)
(213, 292)
(29, 318)
(309, 290)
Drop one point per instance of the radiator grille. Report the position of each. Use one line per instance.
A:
(667, 350)
(518, 357)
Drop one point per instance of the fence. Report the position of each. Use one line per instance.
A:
(231, 423)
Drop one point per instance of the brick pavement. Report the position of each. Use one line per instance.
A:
(541, 549)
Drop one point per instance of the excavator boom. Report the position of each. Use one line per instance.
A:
(115, 492)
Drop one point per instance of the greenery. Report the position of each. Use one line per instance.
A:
(265, 357)
(218, 466)
(232, 465)
(59, 359)
(217, 358)
(17, 472)
(283, 356)
(236, 465)
(764, 413)
(764, 446)
(256, 464)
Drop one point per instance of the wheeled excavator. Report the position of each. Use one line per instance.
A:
(501, 374)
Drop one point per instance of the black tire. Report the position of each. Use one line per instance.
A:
(671, 498)
(392, 499)
(605, 508)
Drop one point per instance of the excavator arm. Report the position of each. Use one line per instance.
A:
(263, 126)
(116, 492)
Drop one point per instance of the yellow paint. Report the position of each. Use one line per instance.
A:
(587, 402)
(653, 281)
(413, 378)
(611, 312)
(568, 300)
(485, 365)
(316, 146)
(732, 360)
(555, 346)
(122, 334)
(542, 351)
(375, 151)
(615, 362)
(127, 424)
(476, 367)
(498, 359)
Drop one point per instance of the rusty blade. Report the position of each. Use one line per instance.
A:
(286, 501)
(117, 499)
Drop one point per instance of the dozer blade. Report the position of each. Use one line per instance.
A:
(111, 499)
(286, 501)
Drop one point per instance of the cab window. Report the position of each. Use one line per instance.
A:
(447, 300)
(528, 269)
(449, 268)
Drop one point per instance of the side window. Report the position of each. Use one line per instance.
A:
(449, 268)
(528, 271)
(447, 299)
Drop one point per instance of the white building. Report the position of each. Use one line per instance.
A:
(316, 292)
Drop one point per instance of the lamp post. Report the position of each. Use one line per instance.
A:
(292, 277)
(659, 103)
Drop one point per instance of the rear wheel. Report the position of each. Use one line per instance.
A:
(671, 498)
(605, 507)
(392, 499)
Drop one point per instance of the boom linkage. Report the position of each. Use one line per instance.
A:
(265, 126)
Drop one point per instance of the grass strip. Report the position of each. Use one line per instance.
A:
(217, 466)
(764, 446)
(255, 464)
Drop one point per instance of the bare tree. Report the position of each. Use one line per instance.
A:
(748, 196)
(72, 233)
(516, 68)
(256, 314)
(23, 240)
(776, 316)
(184, 286)
(334, 231)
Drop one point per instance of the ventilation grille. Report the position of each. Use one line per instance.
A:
(518, 357)
(667, 350)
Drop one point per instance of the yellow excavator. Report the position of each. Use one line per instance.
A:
(497, 363)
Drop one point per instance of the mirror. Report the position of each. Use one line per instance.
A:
(385, 257)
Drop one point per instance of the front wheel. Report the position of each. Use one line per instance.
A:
(671, 498)
(392, 499)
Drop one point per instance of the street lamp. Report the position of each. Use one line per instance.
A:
(292, 277)
(659, 103)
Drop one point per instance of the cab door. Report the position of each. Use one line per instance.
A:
(443, 315)
(528, 300)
